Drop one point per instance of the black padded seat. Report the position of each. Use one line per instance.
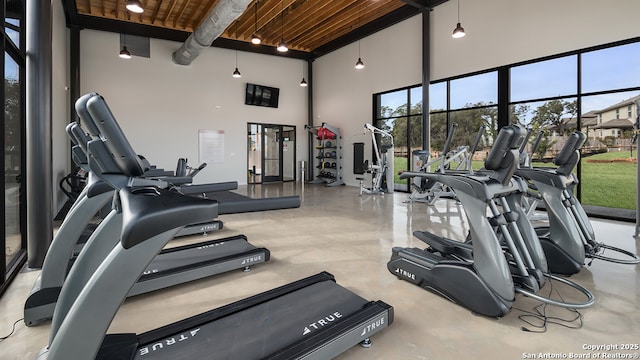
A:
(150, 211)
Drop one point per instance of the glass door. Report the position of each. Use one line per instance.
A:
(272, 155)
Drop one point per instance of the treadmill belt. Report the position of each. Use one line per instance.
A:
(194, 254)
(234, 203)
(260, 330)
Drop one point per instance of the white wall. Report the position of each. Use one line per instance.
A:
(59, 102)
(499, 32)
(343, 95)
(161, 105)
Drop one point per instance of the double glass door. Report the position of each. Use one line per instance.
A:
(270, 153)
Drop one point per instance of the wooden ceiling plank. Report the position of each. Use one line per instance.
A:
(341, 26)
(308, 24)
(176, 21)
(156, 10)
(314, 21)
(167, 14)
(205, 12)
(325, 26)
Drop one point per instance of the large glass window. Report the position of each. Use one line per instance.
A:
(596, 92)
(544, 79)
(608, 174)
(472, 104)
(472, 91)
(399, 112)
(611, 68)
(548, 98)
(12, 240)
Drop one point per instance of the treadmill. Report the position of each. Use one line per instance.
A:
(171, 267)
(313, 318)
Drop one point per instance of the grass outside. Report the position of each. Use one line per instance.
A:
(608, 183)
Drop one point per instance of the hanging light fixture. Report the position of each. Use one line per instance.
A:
(135, 6)
(282, 46)
(236, 72)
(255, 39)
(458, 32)
(359, 63)
(124, 53)
(303, 83)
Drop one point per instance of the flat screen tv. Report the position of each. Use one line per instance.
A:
(260, 95)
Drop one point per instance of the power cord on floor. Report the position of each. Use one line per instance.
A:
(540, 314)
(13, 329)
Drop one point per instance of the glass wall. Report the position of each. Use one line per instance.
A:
(468, 105)
(596, 91)
(399, 112)
(13, 240)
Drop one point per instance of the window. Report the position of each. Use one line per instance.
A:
(13, 239)
(611, 68)
(473, 103)
(544, 79)
(473, 91)
(549, 95)
(400, 113)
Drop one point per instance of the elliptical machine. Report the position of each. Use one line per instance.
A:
(382, 170)
(569, 239)
(504, 255)
(458, 159)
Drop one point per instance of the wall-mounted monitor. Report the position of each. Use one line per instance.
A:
(260, 95)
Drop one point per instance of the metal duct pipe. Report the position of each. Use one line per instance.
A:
(213, 26)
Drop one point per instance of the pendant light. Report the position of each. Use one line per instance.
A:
(359, 63)
(458, 32)
(282, 46)
(135, 6)
(255, 39)
(236, 72)
(124, 53)
(303, 83)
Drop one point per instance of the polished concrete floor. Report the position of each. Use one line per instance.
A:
(336, 230)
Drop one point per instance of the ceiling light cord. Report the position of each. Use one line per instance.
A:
(282, 46)
(255, 39)
(236, 72)
(303, 83)
(359, 63)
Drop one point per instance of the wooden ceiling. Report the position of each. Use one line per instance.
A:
(310, 27)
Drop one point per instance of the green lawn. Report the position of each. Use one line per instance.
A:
(609, 184)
